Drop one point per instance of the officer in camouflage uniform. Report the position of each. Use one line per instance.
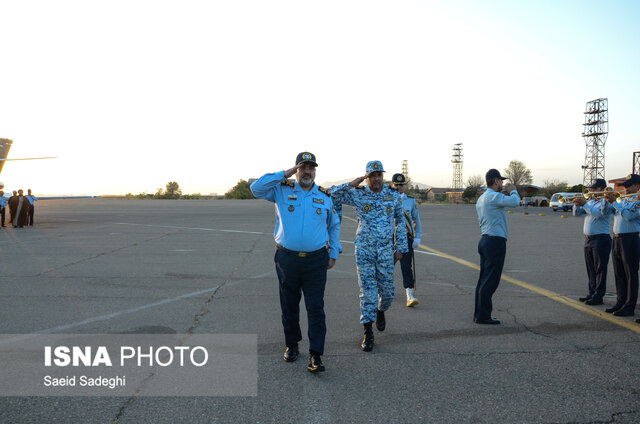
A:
(380, 217)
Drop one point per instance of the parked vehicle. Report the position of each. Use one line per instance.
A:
(535, 201)
(555, 203)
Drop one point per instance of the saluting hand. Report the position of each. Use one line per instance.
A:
(357, 181)
(289, 172)
(331, 263)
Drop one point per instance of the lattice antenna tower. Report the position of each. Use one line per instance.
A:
(405, 169)
(635, 169)
(596, 129)
(457, 167)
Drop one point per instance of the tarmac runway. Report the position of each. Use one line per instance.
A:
(112, 266)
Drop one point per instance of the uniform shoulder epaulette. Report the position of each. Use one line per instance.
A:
(324, 190)
(394, 189)
(410, 197)
(288, 183)
(360, 188)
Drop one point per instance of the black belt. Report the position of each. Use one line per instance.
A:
(300, 254)
(596, 236)
(493, 237)
(626, 235)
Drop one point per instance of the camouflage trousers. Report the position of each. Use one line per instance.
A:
(375, 278)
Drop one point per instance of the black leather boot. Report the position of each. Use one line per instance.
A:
(367, 342)
(381, 322)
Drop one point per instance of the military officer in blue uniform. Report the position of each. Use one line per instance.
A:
(307, 236)
(380, 218)
(492, 246)
(626, 247)
(414, 234)
(597, 246)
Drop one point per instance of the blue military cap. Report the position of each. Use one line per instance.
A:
(306, 157)
(631, 180)
(599, 183)
(374, 166)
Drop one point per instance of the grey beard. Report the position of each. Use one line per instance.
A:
(306, 182)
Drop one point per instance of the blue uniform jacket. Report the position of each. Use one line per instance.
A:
(409, 205)
(598, 216)
(626, 218)
(380, 215)
(491, 214)
(305, 220)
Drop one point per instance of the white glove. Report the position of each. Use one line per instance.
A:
(416, 242)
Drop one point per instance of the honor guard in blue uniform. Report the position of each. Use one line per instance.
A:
(626, 246)
(32, 204)
(597, 245)
(380, 218)
(307, 236)
(493, 243)
(414, 234)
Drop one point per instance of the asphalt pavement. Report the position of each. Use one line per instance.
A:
(112, 266)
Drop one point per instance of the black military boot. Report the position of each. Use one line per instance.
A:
(367, 342)
(381, 323)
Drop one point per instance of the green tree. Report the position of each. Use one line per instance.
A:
(518, 174)
(240, 191)
(553, 186)
(474, 183)
(173, 190)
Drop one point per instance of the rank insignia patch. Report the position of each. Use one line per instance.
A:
(319, 201)
(389, 209)
(366, 207)
(319, 211)
(291, 208)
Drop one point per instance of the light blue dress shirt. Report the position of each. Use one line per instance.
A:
(598, 216)
(491, 212)
(626, 218)
(305, 220)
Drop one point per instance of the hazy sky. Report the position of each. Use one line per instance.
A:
(132, 94)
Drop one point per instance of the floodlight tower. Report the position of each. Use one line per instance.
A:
(596, 128)
(457, 167)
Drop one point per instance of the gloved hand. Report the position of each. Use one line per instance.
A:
(416, 242)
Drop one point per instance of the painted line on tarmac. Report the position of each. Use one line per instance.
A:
(549, 294)
(109, 316)
(191, 228)
(629, 325)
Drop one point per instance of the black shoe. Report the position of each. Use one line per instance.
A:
(315, 363)
(584, 299)
(291, 353)
(638, 320)
(486, 321)
(594, 301)
(624, 312)
(613, 309)
(367, 342)
(381, 322)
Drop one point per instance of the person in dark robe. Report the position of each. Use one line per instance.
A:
(22, 210)
(12, 205)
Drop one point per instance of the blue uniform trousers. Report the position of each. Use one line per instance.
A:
(375, 278)
(303, 275)
(596, 256)
(492, 251)
(406, 264)
(626, 248)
